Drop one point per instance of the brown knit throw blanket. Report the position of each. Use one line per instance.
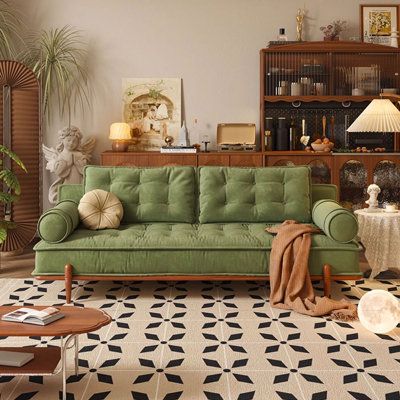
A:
(291, 286)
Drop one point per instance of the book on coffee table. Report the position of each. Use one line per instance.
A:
(15, 358)
(32, 316)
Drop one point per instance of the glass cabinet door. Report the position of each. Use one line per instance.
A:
(387, 177)
(353, 184)
(320, 171)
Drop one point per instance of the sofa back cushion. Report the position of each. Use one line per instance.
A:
(164, 194)
(271, 194)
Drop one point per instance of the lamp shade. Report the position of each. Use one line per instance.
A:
(381, 115)
(120, 131)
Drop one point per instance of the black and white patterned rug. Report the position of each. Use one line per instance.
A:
(212, 341)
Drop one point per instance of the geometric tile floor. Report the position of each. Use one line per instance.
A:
(212, 341)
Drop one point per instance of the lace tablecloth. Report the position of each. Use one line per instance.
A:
(380, 234)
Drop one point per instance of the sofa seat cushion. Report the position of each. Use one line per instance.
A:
(182, 249)
(272, 194)
(164, 194)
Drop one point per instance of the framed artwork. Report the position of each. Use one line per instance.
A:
(152, 108)
(377, 22)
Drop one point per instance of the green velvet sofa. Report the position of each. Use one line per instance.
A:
(194, 223)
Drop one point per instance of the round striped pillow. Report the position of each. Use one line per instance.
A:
(99, 209)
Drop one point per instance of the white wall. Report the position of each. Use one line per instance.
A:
(212, 45)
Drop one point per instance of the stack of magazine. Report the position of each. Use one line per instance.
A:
(178, 149)
(32, 316)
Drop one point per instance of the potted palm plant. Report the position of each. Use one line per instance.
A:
(58, 58)
(11, 189)
(10, 32)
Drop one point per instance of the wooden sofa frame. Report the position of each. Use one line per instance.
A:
(68, 277)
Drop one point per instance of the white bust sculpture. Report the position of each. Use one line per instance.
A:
(373, 191)
(68, 158)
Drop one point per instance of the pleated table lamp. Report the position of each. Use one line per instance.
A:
(120, 134)
(381, 115)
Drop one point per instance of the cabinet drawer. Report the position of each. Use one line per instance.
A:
(214, 159)
(245, 160)
(159, 160)
(125, 159)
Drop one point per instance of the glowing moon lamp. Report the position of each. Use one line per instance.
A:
(379, 311)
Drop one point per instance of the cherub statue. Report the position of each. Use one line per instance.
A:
(68, 158)
(373, 191)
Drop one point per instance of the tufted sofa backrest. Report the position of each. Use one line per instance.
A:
(210, 194)
(271, 194)
(164, 194)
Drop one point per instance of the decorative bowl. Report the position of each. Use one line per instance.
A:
(322, 146)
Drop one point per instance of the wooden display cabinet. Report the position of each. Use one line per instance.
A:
(315, 79)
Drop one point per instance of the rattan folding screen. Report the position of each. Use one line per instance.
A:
(20, 131)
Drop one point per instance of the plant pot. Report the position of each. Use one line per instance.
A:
(331, 39)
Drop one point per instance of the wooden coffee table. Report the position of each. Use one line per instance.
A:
(77, 320)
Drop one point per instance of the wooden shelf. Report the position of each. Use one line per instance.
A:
(297, 153)
(320, 99)
(45, 361)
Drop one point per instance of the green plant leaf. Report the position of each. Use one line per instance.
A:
(3, 234)
(9, 178)
(11, 26)
(8, 197)
(4, 227)
(13, 157)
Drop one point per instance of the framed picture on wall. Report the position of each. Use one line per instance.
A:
(377, 22)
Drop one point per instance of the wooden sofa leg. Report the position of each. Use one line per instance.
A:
(68, 282)
(327, 273)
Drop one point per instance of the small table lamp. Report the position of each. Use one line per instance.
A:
(120, 134)
(381, 115)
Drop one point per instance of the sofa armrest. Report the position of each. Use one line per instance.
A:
(56, 224)
(335, 221)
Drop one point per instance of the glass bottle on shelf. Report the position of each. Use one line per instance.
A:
(293, 136)
(282, 135)
(269, 134)
(282, 35)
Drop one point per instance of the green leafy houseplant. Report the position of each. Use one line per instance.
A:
(11, 188)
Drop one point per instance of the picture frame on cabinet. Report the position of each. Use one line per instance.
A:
(378, 21)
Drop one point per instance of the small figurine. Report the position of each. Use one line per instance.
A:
(68, 158)
(300, 20)
(373, 191)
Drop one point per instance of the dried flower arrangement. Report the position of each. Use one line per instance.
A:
(332, 31)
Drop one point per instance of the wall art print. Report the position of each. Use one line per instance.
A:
(152, 107)
(378, 22)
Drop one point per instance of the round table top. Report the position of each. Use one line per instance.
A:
(77, 320)
(379, 213)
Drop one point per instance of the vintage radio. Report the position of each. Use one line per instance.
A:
(236, 137)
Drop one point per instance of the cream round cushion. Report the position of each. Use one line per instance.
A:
(99, 209)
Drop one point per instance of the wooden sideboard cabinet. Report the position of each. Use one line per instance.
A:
(154, 159)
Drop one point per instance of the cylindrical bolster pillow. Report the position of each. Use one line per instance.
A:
(59, 222)
(337, 223)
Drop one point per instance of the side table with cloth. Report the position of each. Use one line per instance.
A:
(379, 232)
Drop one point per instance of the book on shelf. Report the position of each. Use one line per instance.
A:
(15, 358)
(178, 149)
(32, 316)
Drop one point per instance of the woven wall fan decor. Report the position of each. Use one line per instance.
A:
(20, 131)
